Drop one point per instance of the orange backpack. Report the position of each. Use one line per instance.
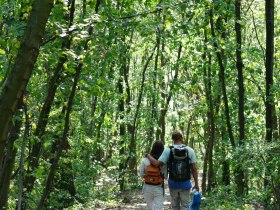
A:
(153, 175)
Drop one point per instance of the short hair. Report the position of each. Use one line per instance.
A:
(177, 135)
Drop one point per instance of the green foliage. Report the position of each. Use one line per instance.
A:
(222, 198)
(112, 57)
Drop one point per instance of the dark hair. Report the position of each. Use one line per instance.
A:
(157, 149)
(177, 135)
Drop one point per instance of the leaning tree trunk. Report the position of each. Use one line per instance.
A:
(24, 64)
(63, 143)
(54, 82)
(132, 149)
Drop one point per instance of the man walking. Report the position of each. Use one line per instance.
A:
(181, 162)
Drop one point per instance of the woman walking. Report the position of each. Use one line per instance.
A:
(153, 176)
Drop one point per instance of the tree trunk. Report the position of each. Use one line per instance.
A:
(54, 82)
(121, 132)
(6, 172)
(225, 166)
(269, 96)
(222, 81)
(241, 119)
(205, 168)
(21, 164)
(133, 140)
(269, 102)
(154, 96)
(24, 64)
(211, 124)
(63, 143)
(161, 122)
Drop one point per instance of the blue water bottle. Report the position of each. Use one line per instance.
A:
(196, 200)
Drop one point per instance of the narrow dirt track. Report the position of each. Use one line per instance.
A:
(136, 201)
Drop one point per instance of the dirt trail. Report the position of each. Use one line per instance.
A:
(141, 205)
(136, 201)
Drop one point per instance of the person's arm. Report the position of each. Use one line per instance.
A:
(195, 176)
(154, 161)
(162, 159)
(141, 171)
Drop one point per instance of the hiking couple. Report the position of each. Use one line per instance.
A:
(179, 162)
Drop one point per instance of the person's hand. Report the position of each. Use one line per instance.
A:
(195, 187)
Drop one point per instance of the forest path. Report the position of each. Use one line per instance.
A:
(134, 200)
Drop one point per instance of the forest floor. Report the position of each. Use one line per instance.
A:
(134, 200)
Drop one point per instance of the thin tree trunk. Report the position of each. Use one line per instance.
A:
(222, 81)
(21, 164)
(63, 143)
(121, 131)
(211, 125)
(269, 99)
(134, 124)
(210, 121)
(269, 14)
(187, 136)
(161, 121)
(205, 168)
(36, 150)
(154, 96)
(241, 119)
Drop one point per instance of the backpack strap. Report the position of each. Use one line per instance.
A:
(171, 156)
